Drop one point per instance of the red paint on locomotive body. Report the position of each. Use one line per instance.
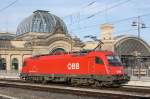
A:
(94, 62)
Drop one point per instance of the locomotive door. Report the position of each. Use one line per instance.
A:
(91, 65)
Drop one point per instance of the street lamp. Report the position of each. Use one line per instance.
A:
(139, 25)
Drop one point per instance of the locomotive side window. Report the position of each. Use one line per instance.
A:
(114, 60)
(98, 60)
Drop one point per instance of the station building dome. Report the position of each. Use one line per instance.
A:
(42, 22)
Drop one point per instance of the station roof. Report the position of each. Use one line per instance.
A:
(128, 44)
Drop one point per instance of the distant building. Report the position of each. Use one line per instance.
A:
(40, 33)
(128, 47)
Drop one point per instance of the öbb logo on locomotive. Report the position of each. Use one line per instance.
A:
(73, 66)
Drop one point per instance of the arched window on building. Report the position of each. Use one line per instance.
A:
(14, 65)
(2, 64)
(58, 50)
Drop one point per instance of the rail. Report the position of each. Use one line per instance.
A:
(103, 92)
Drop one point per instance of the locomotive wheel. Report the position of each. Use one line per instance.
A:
(44, 81)
(74, 84)
(96, 84)
(68, 81)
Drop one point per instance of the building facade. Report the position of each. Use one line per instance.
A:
(44, 33)
(40, 33)
(128, 47)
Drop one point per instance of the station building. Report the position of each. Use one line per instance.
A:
(44, 33)
(133, 51)
(128, 47)
(40, 33)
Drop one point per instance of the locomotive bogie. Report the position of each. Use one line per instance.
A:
(76, 80)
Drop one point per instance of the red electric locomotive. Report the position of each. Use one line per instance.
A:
(96, 68)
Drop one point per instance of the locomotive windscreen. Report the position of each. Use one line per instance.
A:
(114, 60)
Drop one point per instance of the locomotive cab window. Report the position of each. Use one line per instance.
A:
(98, 60)
(114, 60)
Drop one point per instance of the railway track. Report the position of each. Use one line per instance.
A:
(123, 92)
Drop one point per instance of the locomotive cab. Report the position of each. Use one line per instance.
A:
(115, 65)
(116, 69)
(109, 68)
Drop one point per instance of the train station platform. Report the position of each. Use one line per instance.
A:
(9, 75)
(139, 83)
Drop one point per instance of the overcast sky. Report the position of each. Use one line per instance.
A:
(83, 17)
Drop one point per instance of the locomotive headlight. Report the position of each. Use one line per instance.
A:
(118, 71)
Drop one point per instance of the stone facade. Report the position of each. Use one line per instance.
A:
(21, 48)
(30, 41)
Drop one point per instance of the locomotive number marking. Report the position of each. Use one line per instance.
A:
(73, 66)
